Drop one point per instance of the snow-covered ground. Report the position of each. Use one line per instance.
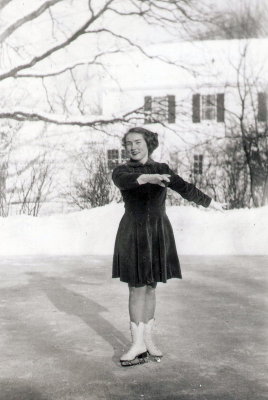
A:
(197, 231)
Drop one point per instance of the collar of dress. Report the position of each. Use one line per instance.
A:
(133, 163)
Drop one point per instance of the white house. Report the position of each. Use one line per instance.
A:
(192, 93)
(189, 93)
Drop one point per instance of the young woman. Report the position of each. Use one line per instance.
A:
(145, 251)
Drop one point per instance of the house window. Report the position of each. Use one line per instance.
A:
(198, 164)
(113, 158)
(208, 104)
(159, 109)
(208, 107)
(262, 107)
(124, 155)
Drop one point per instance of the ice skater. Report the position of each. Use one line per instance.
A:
(145, 251)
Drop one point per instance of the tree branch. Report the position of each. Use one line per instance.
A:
(34, 14)
(66, 68)
(13, 72)
(141, 50)
(24, 115)
(4, 3)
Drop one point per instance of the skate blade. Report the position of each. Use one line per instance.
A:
(140, 359)
(155, 358)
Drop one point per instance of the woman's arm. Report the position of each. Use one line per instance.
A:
(187, 190)
(154, 179)
(124, 179)
(190, 192)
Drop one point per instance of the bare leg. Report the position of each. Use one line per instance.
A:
(149, 311)
(137, 353)
(150, 303)
(137, 298)
(141, 312)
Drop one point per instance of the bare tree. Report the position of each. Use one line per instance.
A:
(242, 155)
(93, 186)
(70, 30)
(34, 188)
(242, 19)
(3, 200)
(248, 129)
(27, 188)
(8, 133)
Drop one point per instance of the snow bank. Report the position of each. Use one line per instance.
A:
(197, 231)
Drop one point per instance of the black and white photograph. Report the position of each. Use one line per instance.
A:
(133, 199)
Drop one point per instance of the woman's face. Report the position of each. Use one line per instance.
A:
(136, 147)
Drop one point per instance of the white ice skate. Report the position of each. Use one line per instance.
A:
(153, 351)
(137, 353)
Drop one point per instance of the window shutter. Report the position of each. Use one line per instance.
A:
(147, 109)
(220, 107)
(200, 163)
(262, 107)
(196, 108)
(171, 109)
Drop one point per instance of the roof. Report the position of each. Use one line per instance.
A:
(199, 63)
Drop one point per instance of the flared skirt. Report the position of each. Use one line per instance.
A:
(145, 250)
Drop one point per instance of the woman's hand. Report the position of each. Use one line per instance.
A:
(218, 206)
(154, 179)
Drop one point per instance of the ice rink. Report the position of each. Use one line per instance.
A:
(64, 325)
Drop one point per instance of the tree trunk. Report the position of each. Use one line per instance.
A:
(265, 192)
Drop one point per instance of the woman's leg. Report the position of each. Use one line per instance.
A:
(137, 299)
(150, 303)
(141, 312)
(149, 312)
(137, 352)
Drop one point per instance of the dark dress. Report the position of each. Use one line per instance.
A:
(145, 249)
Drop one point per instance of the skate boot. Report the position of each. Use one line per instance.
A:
(137, 353)
(153, 351)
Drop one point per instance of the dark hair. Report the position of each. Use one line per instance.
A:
(151, 138)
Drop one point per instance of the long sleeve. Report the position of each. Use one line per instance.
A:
(187, 190)
(124, 179)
